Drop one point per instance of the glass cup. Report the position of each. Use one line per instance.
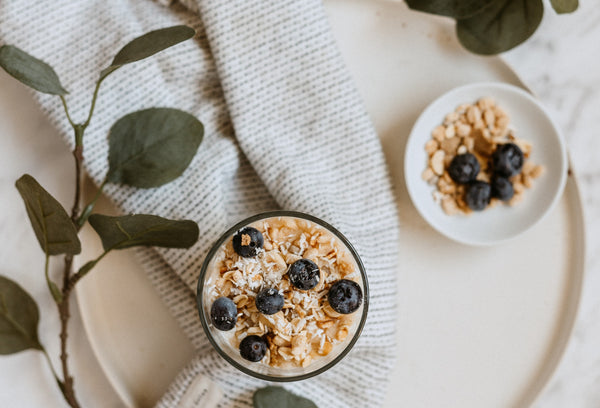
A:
(318, 355)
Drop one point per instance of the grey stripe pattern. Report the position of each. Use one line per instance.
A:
(285, 128)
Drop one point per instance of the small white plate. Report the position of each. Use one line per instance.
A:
(532, 123)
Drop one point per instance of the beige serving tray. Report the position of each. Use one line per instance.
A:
(477, 327)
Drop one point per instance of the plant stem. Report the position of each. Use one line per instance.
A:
(59, 382)
(64, 103)
(63, 306)
(87, 210)
(68, 281)
(93, 105)
(63, 310)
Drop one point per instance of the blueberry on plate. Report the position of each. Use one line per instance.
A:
(478, 195)
(507, 160)
(304, 274)
(223, 314)
(464, 168)
(269, 301)
(502, 188)
(247, 242)
(345, 296)
(253, 348)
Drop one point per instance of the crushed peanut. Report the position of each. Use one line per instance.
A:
(477, 129)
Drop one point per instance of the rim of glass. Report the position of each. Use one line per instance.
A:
(271, 214)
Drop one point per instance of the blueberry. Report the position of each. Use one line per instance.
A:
(502, 188)
(464, 168)
(269, 301)
(223, 314)
(253, 348)
(507, 160)
(247, 242)
(304, 274)
(478, 195)
(345, 296)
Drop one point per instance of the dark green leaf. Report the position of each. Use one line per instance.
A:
(31, 71)
(19, 318)
(53, 228)
(152, 147)
(143, 230)
(452, 8)
(148, 45)
(500, 27)
(564, 6)
(270, 397)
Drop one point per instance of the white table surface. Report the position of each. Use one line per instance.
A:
(559, 63)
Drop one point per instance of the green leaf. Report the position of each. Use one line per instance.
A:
(148, 45)
(31, 71)
(143, 230)
(270, 397)
(564, 6)
(500, 27)
(53, 228)
(19, 318)
(451, 8)
(151, 147)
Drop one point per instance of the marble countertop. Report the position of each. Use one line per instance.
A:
(558, 63)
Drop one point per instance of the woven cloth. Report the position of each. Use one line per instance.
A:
(285, 128)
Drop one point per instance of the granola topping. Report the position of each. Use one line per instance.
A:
(306, 327)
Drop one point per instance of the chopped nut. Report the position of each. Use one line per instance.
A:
(439, 133)
(431, 146)
(437, 162)
(450, 132)
(428, 174)
(473, 114)
(463, 130)
(537, 171)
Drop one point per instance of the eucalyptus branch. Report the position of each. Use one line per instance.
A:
(129, 155)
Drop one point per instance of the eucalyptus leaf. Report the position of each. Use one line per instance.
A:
(148, 45)
(564, 6)
(30, 71)
(152, 147)
(270, 397)
(143, 230)
(500, 27)
(451, 8)
(53, 228)
(19, 317)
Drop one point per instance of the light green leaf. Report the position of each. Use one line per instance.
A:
(564, 6)
(500, 27)
(53, 228)
(270, 397)
(30, 71)
(148, 45)
(152, 147)
(19, 317)
(143, 230)
(451, 8)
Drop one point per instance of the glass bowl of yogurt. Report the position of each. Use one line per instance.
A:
(282, 296)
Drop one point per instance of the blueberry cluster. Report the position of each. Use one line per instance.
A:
(344, 296)
(507, 161)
